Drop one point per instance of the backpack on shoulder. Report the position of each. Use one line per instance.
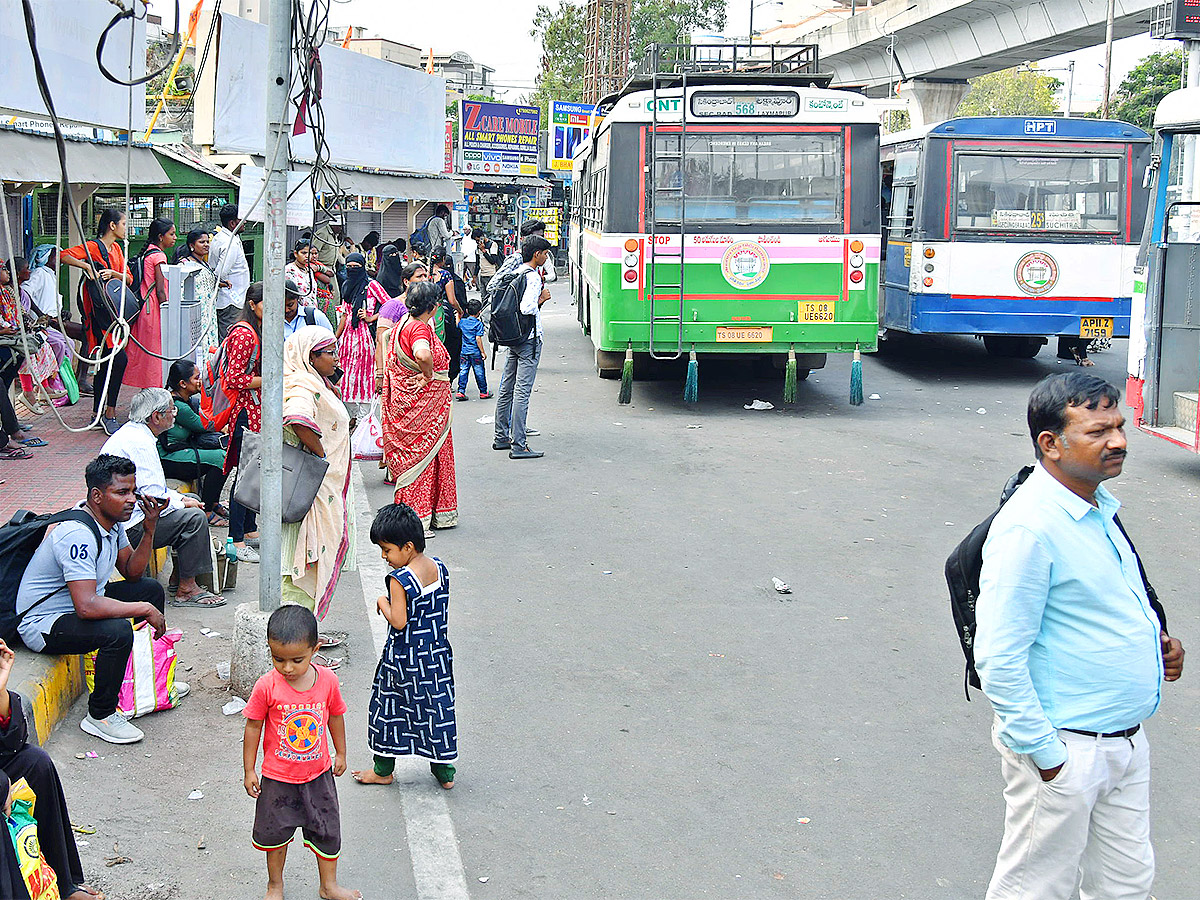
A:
(418, 241)
(216, 399)
(965, 564)
(508, 325)
(19, 539)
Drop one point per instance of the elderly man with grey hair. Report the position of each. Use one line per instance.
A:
(182, 524)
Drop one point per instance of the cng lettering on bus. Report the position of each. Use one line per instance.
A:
(1041, 126)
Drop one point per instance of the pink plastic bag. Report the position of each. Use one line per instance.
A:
(149, 684)
(367, 440)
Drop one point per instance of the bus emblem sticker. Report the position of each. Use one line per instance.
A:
(1036, 273)
(745, 265)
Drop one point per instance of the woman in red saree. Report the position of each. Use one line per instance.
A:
(417, 445)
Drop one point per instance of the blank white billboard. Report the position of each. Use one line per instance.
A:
(67, 33)
(377, 114)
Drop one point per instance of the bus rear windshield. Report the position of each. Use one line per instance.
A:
(1029, 193)
(780, 177)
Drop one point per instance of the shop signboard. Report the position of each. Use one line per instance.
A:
(570, 126)
(498, 138)
(448, 161)
(551, 216)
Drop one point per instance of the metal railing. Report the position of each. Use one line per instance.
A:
(733, 58)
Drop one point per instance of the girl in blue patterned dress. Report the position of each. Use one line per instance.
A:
(412, 701)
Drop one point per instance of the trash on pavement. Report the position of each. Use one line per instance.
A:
(803, 820)
(200, 845)
(874, 397)
(483, 879)
(781, 586)
(116, 859)
(586, 801)
(759, 404)
(695, 426)
(486, 420)
(981, 411)
(196, 795)
(234, 706)
(223, 669)
(83, 829)
(92, 754)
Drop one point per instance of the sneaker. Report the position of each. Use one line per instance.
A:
(486, 396)
(518, 453)
(182, 689)
(247, 554)
(110, 426)
(532, 432)
(115, 729)
(459, 395)
(501, 445)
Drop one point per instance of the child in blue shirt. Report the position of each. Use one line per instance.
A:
(473, 353)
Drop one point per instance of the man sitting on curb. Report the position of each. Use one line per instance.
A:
(182, 523)
(67, 604)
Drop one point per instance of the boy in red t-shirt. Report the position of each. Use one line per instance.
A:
(302, 706)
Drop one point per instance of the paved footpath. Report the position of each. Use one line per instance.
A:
(53, 478)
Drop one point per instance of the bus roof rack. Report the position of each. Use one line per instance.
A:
(794, 65)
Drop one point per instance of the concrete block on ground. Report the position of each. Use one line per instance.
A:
(250, 657)
(49, 685)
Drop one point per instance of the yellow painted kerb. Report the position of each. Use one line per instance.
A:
(53, 697)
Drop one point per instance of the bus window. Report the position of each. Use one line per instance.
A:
(1018, 193)
(782, 178)
(1183, 185)
(900, 223)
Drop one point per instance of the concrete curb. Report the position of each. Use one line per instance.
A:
(49, 686)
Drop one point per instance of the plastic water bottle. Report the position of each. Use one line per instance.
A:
(230, 550)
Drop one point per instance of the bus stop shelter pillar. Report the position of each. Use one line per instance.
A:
(930, 102)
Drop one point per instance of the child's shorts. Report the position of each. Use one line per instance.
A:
(283, 807)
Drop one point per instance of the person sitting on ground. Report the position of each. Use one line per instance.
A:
(182, 524)
(296, 315)
(65, 601)
(188, 450)
(20, 760)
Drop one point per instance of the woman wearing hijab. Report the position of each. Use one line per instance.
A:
(317, 549)
(391, 267)
(207, 283)
(145, 369)
(362, 298)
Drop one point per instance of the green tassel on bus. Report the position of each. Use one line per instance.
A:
(856, 387)
(626, 393)
(789, 377)
(691, 387)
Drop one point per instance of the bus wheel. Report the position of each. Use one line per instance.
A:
(1011, 346)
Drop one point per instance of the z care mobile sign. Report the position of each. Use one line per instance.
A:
(570, 125)
(498, 139)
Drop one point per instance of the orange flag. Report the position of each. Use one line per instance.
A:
(349, 32)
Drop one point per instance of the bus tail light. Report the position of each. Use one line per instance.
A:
(631, 264)
(929, 253)
(855, 263)
(856, 275)
(631, 245)
(856, 246)
(630, 275)
(928, 282)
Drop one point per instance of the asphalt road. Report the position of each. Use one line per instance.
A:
(640, 714)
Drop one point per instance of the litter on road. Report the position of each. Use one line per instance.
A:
(196, 795)
(234, 706)
(759, 404)
(781, 586)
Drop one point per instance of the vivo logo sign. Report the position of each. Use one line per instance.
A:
(1041, 126)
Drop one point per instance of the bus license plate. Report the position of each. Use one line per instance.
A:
(1096, 327)
(750, 335)
(816, 311)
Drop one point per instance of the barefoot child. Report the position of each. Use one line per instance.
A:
(412, 701)
(302, 707)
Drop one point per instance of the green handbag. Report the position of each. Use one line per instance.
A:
(67, 375)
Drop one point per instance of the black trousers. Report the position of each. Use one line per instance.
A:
(241, 519)
(53, 821)
(117, 364)
(212, 479)
(112, 638)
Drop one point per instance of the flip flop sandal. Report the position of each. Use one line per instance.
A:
(329, 639)
(216, 520)
(328, 662)
(33, 442)
(15, 453)
(199, 600)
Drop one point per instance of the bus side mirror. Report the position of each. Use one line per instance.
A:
(1146, 177)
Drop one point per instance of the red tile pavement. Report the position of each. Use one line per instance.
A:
(52, 479)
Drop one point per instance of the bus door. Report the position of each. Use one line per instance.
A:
(895, 308)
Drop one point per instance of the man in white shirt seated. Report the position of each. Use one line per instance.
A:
(227, 258)
(182, 524)
(296, 315)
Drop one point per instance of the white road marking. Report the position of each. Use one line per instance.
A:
(432, 843)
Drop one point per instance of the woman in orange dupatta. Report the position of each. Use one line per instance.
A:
(417, 445)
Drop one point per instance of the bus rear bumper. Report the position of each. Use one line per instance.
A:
(946, 314)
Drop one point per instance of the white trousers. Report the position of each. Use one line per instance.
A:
(1088, 829)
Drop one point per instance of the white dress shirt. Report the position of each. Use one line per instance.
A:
(531, 295)
(228, 259)
(136, 442)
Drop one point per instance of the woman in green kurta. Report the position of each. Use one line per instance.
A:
(188, 450)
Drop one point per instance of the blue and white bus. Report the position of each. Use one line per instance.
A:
(1012, 229)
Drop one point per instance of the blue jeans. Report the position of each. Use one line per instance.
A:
(467, 365)
(516, 384)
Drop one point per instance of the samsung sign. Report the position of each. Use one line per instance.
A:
(1041, 126)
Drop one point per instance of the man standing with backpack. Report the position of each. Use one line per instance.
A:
(1072, 655)
(516, 323)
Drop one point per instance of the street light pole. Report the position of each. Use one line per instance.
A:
(1108, 42)
(279, 57)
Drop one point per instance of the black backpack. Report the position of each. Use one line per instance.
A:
(508, 325)
(19, 538)
(962, 577)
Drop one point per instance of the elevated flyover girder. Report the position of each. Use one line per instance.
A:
(952, 40)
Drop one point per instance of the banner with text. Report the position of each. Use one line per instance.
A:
(570, 126)
(498, 139)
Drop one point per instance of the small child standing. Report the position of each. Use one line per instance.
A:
(473, 352)
(301, 705)
(412, 700)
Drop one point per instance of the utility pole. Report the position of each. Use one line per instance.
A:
(279, 74)
(1108, 42)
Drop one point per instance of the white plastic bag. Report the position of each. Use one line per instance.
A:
(367, 440)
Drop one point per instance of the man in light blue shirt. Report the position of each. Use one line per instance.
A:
(296, 316)
(1072, 656)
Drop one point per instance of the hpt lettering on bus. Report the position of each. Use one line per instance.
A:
(1041, 127)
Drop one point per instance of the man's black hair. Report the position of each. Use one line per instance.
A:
(1052, 395)
(398, 524)
(101, 471)
(531, 246)
(292, 624)
(531, 227)
(229, 214)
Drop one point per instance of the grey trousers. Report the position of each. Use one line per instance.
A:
(516, 385)
(186, 532)
(226, 316)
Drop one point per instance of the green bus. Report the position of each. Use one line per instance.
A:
(728, 203)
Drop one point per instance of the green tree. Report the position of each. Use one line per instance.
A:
(563, 35)
(1136, 98)
(1011, 92)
